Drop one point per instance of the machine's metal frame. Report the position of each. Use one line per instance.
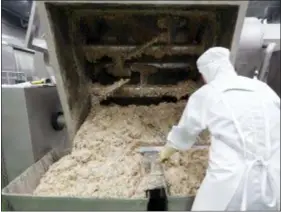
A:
(37, 44)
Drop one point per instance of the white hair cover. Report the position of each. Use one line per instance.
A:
(215, 63)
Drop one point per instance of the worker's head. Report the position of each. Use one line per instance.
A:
(215, 63)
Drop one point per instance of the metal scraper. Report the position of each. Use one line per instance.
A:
(157, 190)
(152, 165)
(150, 154)
(150, 149)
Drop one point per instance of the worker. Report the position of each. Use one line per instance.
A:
(243, 118)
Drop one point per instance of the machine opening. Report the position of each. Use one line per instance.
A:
(153, 47)
(125, 101)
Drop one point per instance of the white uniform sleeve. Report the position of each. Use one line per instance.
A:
(274, 96)
(271, 94)
(192, 122)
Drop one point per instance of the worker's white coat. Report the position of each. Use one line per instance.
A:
(243, 117)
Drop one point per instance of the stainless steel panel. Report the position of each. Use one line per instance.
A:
(16, 140)
(8, 59)
(27, 134)
(41, 102)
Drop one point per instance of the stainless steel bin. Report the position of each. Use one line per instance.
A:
(19, 194)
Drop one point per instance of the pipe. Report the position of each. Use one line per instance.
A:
(168, 65)
(117, 48)
(159, 65)
(95, 52)
(180, 90)
(265, 65)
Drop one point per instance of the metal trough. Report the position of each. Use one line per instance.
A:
(19, 195)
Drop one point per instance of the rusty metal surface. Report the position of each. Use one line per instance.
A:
(129, 34)
(180, 90)
(93, 53)
(108, 91)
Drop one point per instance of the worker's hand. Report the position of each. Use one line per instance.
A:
(166, 153)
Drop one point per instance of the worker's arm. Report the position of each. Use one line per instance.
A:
(192, 122)
(273, 95)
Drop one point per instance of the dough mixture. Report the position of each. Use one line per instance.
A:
(104, 161)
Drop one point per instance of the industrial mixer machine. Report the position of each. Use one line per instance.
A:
(130, 52)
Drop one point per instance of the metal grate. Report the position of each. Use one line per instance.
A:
(10, 78)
